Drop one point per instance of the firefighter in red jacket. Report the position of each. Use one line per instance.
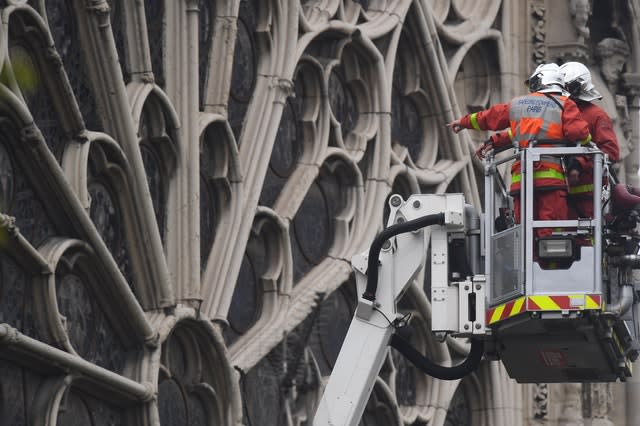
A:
(577, 80)
(550, 118)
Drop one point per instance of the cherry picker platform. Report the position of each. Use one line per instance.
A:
(561, 308)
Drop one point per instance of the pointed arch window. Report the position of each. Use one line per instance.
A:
(158, 156)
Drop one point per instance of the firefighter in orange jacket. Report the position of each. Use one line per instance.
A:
(577, 80)
(550, 118)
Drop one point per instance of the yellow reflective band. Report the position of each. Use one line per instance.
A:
(510, 133)
(474, 121)
(590, 303)
(543, 174)
(588, 187)
(586, 140)
(497, 314)
(517, 306)
(546, 303)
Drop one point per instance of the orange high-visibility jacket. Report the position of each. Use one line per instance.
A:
(551, 119)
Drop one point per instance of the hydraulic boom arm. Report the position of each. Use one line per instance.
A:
(382, 277)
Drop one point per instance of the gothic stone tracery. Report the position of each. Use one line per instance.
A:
(183, 184)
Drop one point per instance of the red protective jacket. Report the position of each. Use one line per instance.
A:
(535, 116)
(604, 136)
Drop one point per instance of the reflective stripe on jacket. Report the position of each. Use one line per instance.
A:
(535, 116)
(538, 117)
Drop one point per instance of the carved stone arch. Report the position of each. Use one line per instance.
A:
(472, 62)
(372, 154)
(158, 132)
(385, 13)
(440, 10)
(476, 75)
(75, 162)
(69, 401)
(265, 281)
(422, 27)
(414, 121)
(323, 212)
(273, 85)
(79, 310)
(466, 20)
(48, 399)
(196, 382)
(315, 14)
(64, 215)
(301, 140)
(220, 181)
(140, 94)
(98, 171)
(349, 180)
(79, 407)
(355, 91)
(264, 33)
(310, 87)
(26, 33)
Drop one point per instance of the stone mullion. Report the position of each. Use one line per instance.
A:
(376, 186)
(435, 56)
(258, 135)
(259, 138)
(219, 72)
(111, 97)
(513, 14)
(183, 230)
(137, 39)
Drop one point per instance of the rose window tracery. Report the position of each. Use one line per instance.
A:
(183, 185)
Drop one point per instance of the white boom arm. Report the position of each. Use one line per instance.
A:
(366, 344)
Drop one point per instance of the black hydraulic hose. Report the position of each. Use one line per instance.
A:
(376, 246)
(432, 369)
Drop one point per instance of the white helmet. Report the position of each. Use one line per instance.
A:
(547, 78)
(577, 81)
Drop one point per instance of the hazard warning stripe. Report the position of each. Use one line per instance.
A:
(573, 302)
(506, 310)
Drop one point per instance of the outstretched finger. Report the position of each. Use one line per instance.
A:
(455, 126)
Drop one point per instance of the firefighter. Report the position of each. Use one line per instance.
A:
(577, 81)
(548, 117)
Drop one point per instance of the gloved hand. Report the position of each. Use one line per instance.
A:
(574, 168)
(484, 149)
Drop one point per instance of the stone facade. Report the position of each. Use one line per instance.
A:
(184, 182)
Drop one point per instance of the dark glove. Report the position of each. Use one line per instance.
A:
(574, 164)
(574, 169)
